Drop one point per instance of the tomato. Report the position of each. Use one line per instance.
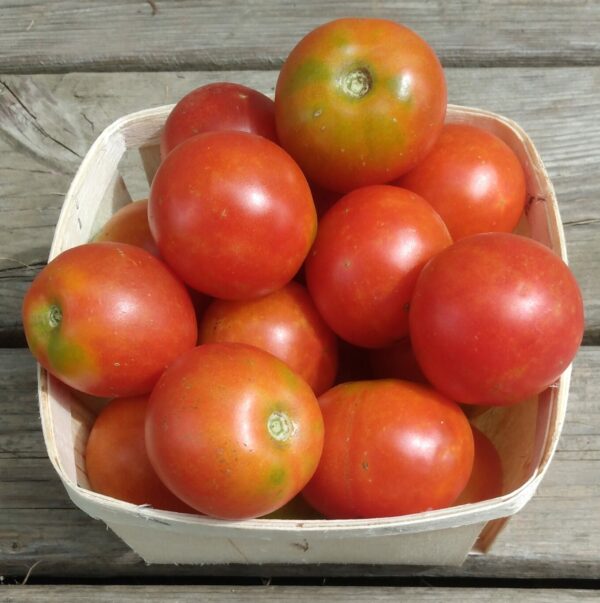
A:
(116, 460)
(233, 431)
(363, 266)
(473, 179)
(232, 214)
(359, 102)
(486, 479)
(495, 319)
(391, 448)
(107, 319)
(396, 362)
(130, 225)
(284, 323)
(218, 106)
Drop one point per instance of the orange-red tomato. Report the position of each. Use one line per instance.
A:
(218, 106)
(108, 318)
(473, 179)
(232, 214)
(359, 102)
(391, 448)
(495, 319)
(486, 479)
(130, 225)
(116, 460)
(369, 250)
(284, 323)
(233, 431)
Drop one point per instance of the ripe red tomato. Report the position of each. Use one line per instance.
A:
(219, 106)
(473, 179)
(391, 448)
(130, 225)
(486, 479)
(284, 323)
(396, 362)
(232, 214)
(359, 101)
(107, 319)
(116, 460)
(363, 266)
(495, 319)
(233, 431)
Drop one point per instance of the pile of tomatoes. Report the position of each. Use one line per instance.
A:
(314, 286)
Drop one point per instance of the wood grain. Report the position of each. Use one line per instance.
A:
(276, 593)
(556, 536)
(47, 122)
(134, 35)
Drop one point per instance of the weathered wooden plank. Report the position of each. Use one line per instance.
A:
(556, 536)
(47, 36)
(48, 121)
(276, 593)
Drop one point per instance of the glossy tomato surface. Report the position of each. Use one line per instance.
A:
(391, 448)
(359, 102)
(233, 431)
(495, 319)
(473, 179)
(284, 323)
(218, 106)
(116, 460)
(129, 225)
(369, 250)
(487, 477)
(107, 319)
(232, 214)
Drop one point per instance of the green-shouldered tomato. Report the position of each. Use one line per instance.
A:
(359, 101)
(108, 318)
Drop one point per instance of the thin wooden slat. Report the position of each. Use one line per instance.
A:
(277, 594)
(50, 36)
(556, 536)
(559, 108)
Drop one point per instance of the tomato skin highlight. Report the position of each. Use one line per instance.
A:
(284, 323)
(232, 214)
(116, 461)
(108, 318)
(215, 107)
(391, 448)
(495, 319)
(364, 263)
(233, 431)
(473, 179)
(359, 102)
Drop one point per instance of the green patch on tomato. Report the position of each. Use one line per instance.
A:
(308, 73)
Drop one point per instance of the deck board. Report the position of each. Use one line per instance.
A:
(50, 36)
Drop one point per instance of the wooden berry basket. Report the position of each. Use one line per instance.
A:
(525, 435)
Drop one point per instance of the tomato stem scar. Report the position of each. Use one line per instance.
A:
(54, 316)
(357, 83)
(280, 426)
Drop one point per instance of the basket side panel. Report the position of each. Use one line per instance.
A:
(438, 547)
